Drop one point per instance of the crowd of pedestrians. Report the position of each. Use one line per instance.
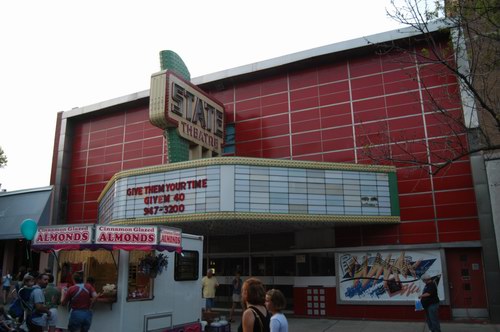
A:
(34, 301)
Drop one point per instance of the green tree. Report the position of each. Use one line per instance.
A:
(3, 158)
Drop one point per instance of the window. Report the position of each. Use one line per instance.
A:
(228, 266)
(316, 264)
(262, 266)
(229, 140)
(140, 284)
(187, 265)
(284, 266)
(322, 264)
(100, 265)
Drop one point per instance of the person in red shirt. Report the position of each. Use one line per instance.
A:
(80, 298)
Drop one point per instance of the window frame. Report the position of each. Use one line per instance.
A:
(181, 260)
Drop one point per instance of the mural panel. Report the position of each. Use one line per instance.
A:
(383, 276)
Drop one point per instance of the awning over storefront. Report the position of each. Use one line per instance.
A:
(93, 237)
(16, 206)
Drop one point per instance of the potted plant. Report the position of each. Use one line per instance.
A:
(153, 265)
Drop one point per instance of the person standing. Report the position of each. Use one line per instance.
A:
(52, 300)
(38, 313)
(430, 302)
(209, 285)
(255, 318)
(275, 303)
(6, 283)
(81, 296)
(21, 306)
(19, 277)
(236, 297)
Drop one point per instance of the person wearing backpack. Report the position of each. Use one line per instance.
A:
(38, 313)
(21, 295)
(80, 298)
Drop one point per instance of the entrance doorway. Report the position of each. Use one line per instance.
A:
(466, 282)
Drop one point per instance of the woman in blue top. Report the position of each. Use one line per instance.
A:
(6, 280)
(275, 302)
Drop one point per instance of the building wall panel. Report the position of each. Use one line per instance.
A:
(333, 72)
(304, 78)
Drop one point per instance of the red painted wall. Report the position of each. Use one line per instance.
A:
(326, 113)
(383, 312)
(103, 146)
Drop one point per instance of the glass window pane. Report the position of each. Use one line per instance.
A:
(140, 283)
(186, 265)
(262, 266)
(322, 264)
(284, 266)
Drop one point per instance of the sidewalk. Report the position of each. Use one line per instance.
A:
(333, 325)
(330, 325)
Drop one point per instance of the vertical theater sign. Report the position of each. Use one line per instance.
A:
(175, 102)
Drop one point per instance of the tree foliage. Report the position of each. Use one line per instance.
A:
(468, 54)
(3, 158)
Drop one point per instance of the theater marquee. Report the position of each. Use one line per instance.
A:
(198, 117)
(199, 195)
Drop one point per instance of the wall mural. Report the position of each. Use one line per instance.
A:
(387, 275)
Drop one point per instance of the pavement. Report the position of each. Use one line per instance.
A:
(330, 325)
(296, 324)
(300, 324)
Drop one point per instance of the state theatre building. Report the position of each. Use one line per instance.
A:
(288, 191)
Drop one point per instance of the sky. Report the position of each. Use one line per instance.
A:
(59, 54)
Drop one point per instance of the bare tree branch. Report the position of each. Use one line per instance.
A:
(470, 55)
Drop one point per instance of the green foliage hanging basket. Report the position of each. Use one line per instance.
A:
(152, 264)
